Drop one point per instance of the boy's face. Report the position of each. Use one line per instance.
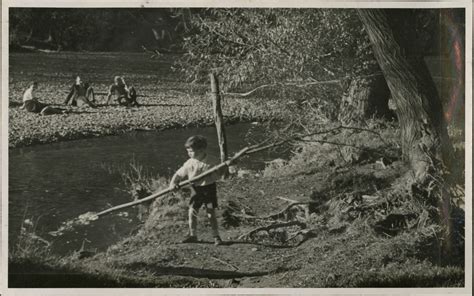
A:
(195, 153)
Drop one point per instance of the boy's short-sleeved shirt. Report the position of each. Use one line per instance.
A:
(28, 95)
(194, 167)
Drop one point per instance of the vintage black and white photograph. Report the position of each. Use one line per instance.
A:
(237, 147)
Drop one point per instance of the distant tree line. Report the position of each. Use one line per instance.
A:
(92, 29)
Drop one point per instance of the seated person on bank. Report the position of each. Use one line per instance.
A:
(80, 95)
(125, 96)
(32, 104)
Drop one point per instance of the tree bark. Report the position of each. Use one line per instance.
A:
(365, 97)
(425, 142)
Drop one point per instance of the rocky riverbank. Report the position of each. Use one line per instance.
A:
(155, 114)
(166, 102)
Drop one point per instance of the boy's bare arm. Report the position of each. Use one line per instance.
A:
(174, 183)
(71, 92)
(109, 94)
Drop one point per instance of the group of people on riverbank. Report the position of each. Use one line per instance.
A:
(81, 94)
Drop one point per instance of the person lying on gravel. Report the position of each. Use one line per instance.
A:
(125, 96)
(81, 94)
(203, 191)
(32, 104)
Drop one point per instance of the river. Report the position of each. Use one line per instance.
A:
(52, 183)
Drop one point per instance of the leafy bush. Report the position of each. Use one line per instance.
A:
(274, 45)
(301, 56)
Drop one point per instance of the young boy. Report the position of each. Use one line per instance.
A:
(32, 104)
(81, 94)
(125, 95)
(203, 191)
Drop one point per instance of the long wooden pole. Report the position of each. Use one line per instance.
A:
(219, 120)
(181, 184)
(246, 151)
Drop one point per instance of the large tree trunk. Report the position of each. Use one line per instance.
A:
(365, 97)
(425, 141)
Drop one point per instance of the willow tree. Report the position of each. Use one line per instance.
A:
(425, 141)
(424, 137)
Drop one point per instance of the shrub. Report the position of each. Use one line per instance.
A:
(29, 245)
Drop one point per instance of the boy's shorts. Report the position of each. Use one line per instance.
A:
(203, 195)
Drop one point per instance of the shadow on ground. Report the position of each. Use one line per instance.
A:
(193, 271)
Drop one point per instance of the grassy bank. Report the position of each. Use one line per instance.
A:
(360, 225)
(167, 102)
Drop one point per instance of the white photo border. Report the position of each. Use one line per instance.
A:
(467, 290)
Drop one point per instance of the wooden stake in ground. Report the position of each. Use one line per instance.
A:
(219, 119)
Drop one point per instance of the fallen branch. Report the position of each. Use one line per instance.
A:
(307, 234)
(246, 151)
(274, 215)
(272, 226)
(287, 208)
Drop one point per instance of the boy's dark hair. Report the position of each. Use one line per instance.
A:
(196, 142)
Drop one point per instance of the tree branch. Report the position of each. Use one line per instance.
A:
(277, 214)
(246, 94)
(245, 151)
(272, 226)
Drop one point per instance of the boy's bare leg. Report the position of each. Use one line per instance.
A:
(211, 214)
(50, 110)
(192, 213)
(90, 95)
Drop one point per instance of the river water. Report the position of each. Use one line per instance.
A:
(52, 183)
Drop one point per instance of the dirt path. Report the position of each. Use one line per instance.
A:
(334, 249)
